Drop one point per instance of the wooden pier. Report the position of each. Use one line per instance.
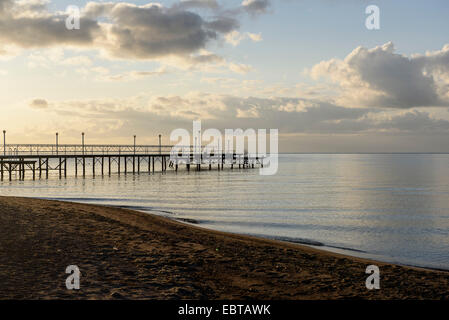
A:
(40, 160)
(19, 166)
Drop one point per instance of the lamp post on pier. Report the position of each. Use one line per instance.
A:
(57, 142)
(160, 144)
(134, 144)
(82, 135)
(195, 150)
(4, 142)
(199, 142)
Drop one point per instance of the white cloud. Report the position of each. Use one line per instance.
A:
(379, 77)
(256, 37)
(77, 61)
(240, 68)
(134, 75)
(235, 37)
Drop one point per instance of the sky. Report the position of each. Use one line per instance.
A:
(309, 68)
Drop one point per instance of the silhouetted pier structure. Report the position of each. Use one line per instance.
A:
(41, 159)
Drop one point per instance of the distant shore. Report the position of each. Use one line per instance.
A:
(124, 254)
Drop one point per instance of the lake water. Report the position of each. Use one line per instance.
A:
(393, 208)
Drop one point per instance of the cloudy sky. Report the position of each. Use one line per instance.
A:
(309, 68)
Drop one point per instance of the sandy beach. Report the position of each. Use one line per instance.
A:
(123, 254)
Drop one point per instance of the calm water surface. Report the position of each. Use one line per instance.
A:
(393, 208)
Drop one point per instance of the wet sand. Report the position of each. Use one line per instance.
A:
(124, 254)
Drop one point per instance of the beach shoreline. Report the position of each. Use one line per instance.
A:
(126, 254)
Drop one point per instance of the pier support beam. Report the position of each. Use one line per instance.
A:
(60, 168)
(138, 165)
(134, 165)
(118, 170)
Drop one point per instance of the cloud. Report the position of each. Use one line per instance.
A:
(436, 63)
(134, 75)
(235, 37)
(122, 30)
(240, 68)
(223, 24)
(290, 115)
(206, 61)
(47, 58)
(25, 25)
(151, 31)
(204, 4)
(380, 77)
(255, 37)
(39, 104)
(410, 121)
(256, 7)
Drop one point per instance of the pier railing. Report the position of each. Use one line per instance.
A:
(76, 149)
(43, 150)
